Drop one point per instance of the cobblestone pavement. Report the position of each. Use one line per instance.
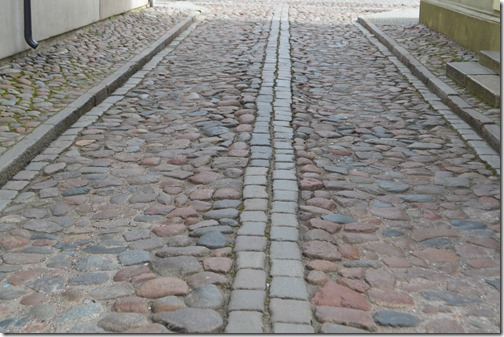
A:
(270, 171)
(35, 86)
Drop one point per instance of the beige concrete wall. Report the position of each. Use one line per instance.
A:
(53, 17)
(11, 27)
(485, 5)
(114, 7)
(474, 29)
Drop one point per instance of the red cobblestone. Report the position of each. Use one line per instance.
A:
(131, 304)
(360, 228)
(328, 226)
(322, 265)
(349, 252)
(356, 273)
(321, 250)
(333, 294)
(354, 284)
(436, 255)
(129, 272)
(345, 316)
(163, 286)
(422, 234)
(310, 184)
(12, 242)
(390, 298)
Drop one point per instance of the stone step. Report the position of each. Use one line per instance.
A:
(491, 60)
(458, 71)
(478, 79)
(486, 87)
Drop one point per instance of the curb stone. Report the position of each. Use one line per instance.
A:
(447, 95)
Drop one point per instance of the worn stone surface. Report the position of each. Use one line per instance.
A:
(259, 154)
(207, 297)
(395, 319)
(190, 320)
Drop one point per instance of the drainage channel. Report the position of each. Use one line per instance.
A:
(269, 293)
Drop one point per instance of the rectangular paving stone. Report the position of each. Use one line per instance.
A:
(289, 328)
(283, 117)
(284, 157)
(71, 132)
(279, 233)
(25, 175)
(36, 166)
(493, 161)
(290, 311)
(7, 194)
(482, 148)
(284, 219)
(255, 180)
(252, 228)
(260, 138)
(45, 158)
(285, 185)
(251, 279)
(16, 185)
(242, 322)
(257, 216)
(282, 145)
(247, 300)
(284, 166)
(261, 155)
(255, 204)
(292, 268)
(250, 243)
(285, 151)
(250, 260)
(285, 250)
(284, 207)
(284, 94)
(283, 83)
(288, 287)
(260, 163)
(259, 171)
(262, 149)
(265, 119)
(254, 191)
(266, 91)
(283, 135)
(284, 174)
(469, 135)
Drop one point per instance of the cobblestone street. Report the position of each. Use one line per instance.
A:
(274, 169)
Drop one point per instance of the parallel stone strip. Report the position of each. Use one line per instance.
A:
(272, 160)
(248, 297)
(289, 307)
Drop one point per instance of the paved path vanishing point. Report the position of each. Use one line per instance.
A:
(272, 170)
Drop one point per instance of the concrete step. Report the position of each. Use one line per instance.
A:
(458, 71)
(491, 60)
(478, 79)
(486, 87)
